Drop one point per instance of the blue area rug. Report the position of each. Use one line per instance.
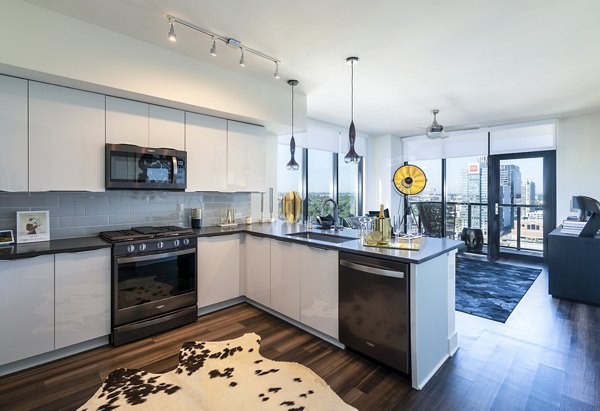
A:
(491, 290)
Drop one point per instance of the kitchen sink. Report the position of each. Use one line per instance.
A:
(330, 238)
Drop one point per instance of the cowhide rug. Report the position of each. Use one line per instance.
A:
(222, 375)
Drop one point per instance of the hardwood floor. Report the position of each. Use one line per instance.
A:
(546, 356)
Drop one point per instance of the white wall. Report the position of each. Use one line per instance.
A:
(385, 156)
(47, 46)
(577, 161)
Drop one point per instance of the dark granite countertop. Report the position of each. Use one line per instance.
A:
(431, 248)
(68, 245)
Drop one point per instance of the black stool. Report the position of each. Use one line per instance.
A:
(473, 238)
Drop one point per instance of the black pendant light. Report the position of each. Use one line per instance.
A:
(292, 164)
(352, 157)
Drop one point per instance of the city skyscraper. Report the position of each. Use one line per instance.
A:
(474, 186)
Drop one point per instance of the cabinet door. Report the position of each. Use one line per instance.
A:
(285, 278)
(246, 157)
(26, 307)
(258, 269)
(166, 128)
(66, 139)
(82, 309)
(206, 146)
(13, 132)
(218, 269)
(319, 290)
(126, 122)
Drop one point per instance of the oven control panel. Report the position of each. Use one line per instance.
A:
(153, 245)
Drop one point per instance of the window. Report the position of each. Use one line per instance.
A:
(320, 173)
(348, 196)
(466, 186)
(320, 181)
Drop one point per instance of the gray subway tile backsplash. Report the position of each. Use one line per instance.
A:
(86, 214)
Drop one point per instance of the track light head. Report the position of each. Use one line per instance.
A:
(172, 35)
(213, 48)
(243, 59)
(276, 74)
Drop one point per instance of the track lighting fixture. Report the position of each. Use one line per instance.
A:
(352, 156)
(242, 59)
(213, 48)
(227, 40)
(292, 165)
(172, 35)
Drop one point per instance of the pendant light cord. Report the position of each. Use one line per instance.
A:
(352, 92)
(292, 111)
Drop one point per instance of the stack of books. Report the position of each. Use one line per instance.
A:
(572, 226)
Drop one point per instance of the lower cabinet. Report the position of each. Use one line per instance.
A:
(26, 307)
(257, 270)
(82, 293)
(285, 278)
(218, 269)
(319, 289)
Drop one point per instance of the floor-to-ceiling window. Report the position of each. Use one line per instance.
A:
(510, 199)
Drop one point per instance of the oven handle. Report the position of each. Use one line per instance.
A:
(154, 256)
(372, 270)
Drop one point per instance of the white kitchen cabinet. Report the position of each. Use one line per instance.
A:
(218, 269)
(13, 132)
(257, 270)
(126, 122)
(319, 289)
(246, 157)
(206, 146)
(285, 278)
(166, 127)
(66, 139)
(26, 307)
(82, 296)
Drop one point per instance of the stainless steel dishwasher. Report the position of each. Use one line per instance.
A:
(374, 309)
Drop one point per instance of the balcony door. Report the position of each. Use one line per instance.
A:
(522, 203)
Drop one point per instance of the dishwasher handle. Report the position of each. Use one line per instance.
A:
(372, 270)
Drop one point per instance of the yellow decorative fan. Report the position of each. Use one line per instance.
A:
(409, 179)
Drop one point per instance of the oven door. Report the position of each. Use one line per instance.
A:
(148, 285)
(133, 167)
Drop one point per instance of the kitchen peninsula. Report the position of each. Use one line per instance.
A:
(431, 282)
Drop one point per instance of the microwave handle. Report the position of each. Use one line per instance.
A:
(174, 178)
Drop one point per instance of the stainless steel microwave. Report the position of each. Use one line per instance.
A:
(143, 168)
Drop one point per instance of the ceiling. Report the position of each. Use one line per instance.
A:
(486, 62)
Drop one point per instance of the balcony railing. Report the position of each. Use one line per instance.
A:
(459, 215)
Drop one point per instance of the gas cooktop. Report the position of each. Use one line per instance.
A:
(145, 233)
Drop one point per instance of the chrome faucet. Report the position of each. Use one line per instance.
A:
(335, 211)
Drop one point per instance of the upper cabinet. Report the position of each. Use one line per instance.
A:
(206, 146)
(126, 122)
(144, 125)
(66, 139)
(13, 132)
(166, 128)
(246, 157)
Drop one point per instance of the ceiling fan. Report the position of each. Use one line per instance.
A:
(436, 130)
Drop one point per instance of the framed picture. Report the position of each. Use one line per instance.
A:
(33, 226)
(6, 237)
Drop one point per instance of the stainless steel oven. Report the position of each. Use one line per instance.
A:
(153, 286)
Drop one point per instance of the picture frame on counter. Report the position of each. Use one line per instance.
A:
(6, 238)
(33, 226)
